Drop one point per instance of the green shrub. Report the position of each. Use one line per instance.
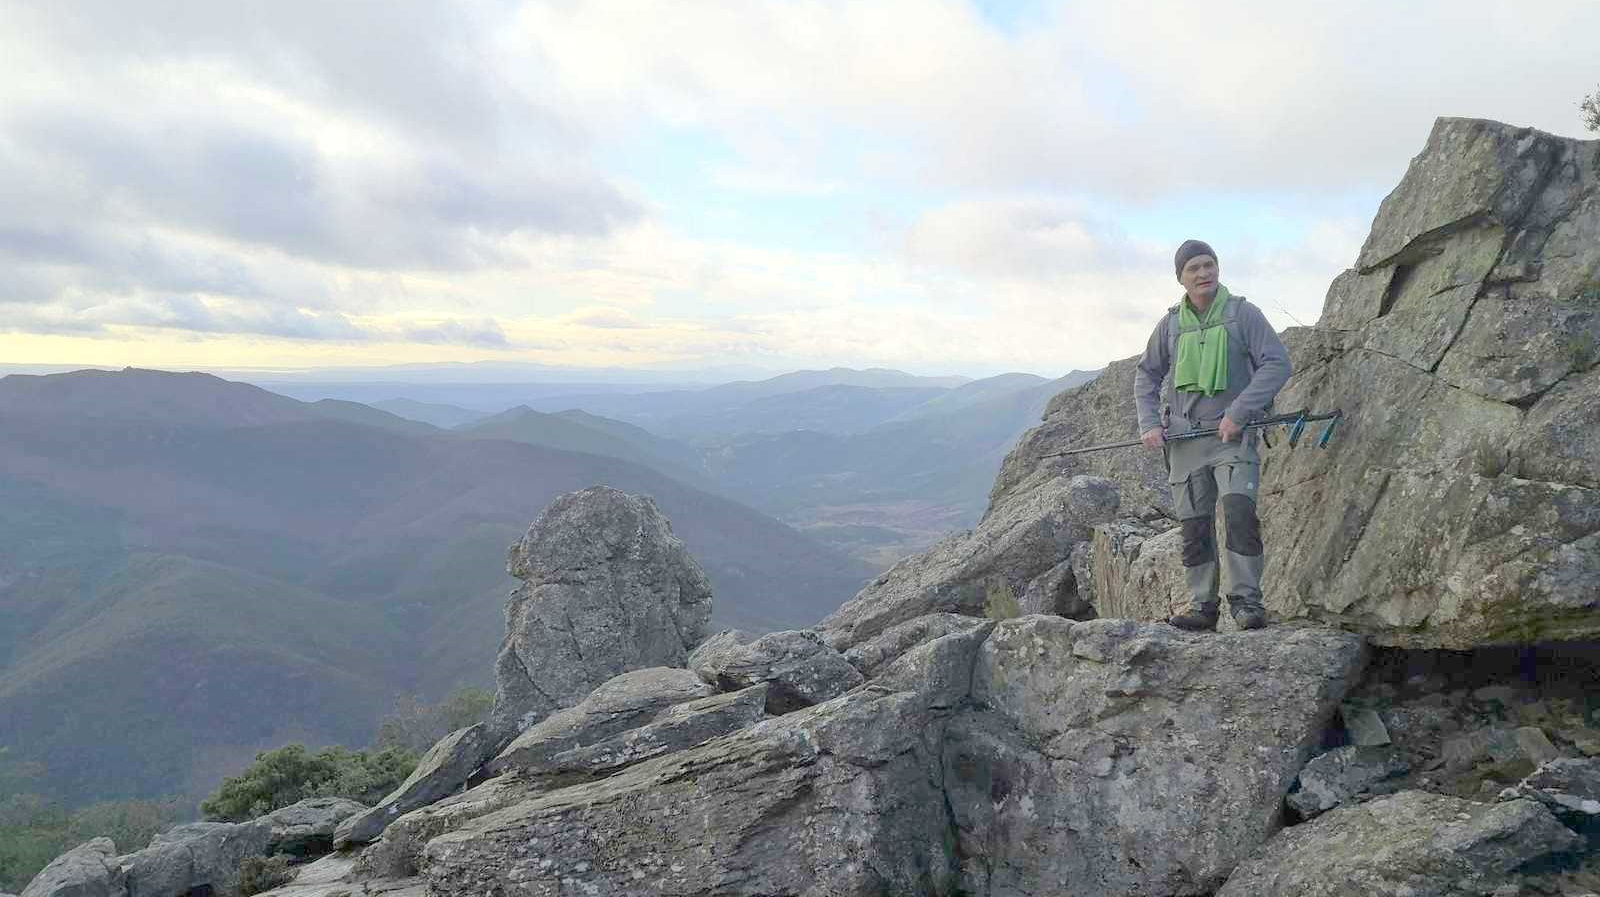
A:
(1000, 602)
(257, 874)
(291, 773)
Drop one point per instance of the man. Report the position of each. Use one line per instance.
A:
(1227, 364)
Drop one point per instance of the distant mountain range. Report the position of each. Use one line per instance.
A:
(878, 463)
(193, 569)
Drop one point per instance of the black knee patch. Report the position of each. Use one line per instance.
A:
(1199, 543)
(1244, 527)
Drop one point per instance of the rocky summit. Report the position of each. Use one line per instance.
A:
(1458, 504)
(1007, 715)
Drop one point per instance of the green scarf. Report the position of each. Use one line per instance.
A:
(1202, 364)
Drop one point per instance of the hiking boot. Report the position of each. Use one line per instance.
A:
(1201, 618)
(1248, 616)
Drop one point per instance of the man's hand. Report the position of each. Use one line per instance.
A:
(1228, 430)
(1154, 438)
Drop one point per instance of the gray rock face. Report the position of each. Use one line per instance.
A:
(872, 655)
(88, 870)
(839, 798)
(1342, 773)
(1569, 787)
(1017, 542)
(397, 854)
(606, 588)
(200, 854)
(677, 728)
(619, 704)
(1111, 757)
(940, 671)
(1422, 845)
(444, 769)
(306, 828)
(798, 668)
(334, 876)
(1460, 505)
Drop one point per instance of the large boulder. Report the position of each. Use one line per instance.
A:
(306, 828)
(621, 703)
(797, 666)
(1117, 758)
(839, 798)
(88, 870)
(444, 769)
(984, 570)
(1412, 843)
(1460, 505)
(195, 856)
(606, 588)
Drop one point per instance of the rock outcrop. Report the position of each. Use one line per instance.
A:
(306, 829)
(88, 870)
(1112, 757)
(876, 653)
(1461, 505)
(983, 761)
(617, 705)
(1341, 774)
(606, 588)
(200, 855)
(985, 568)
(1423, 845)
(1568, 786)
(797, 667)
(840, 798)
(444, 769)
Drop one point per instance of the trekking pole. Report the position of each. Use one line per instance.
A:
(1295, 420)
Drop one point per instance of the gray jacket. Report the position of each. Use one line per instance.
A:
(1258, 366)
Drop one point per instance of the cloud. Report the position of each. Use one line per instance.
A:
(1029, 238)
(485, 334)
(1130, 100)
(185, 314)
(511, 176)
(604, 319)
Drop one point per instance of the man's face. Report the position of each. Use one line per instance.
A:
(1199, 278)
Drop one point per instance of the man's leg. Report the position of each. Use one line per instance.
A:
(1239, 483)
(1195, 498)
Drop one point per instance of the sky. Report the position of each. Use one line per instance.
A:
(940, 186)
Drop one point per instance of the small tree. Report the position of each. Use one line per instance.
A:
(418, 726)
(1591, 110)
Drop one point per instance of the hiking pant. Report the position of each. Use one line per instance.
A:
(1199, 470)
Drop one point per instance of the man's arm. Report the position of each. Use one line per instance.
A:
(1271, 361)
(1147, 377)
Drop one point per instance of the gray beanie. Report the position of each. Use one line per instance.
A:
(1189, 250)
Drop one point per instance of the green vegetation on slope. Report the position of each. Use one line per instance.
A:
(291, 774)
(34, 831)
